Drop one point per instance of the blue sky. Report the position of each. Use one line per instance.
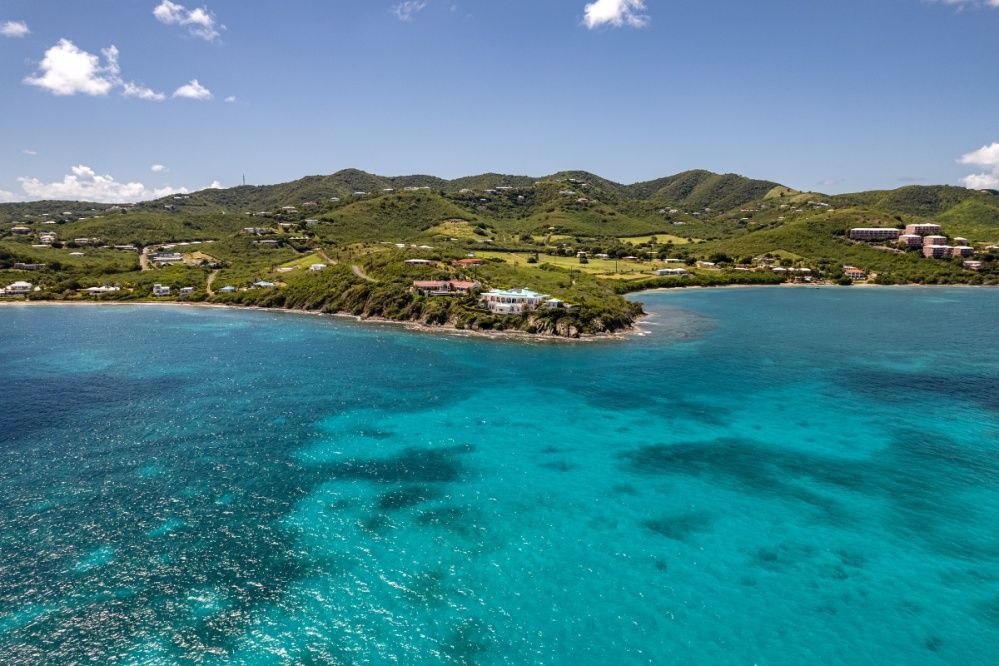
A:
(831, 96)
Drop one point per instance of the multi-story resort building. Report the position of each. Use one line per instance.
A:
(911, 240)
(923, 229)
(874, 233)
(938, 251)
(934, 240)
(962, 251)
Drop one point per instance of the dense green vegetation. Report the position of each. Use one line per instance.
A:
(572, 235)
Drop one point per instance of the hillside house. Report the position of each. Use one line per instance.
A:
(444, 287)
(160, 290)
(671, 271)
(469, 262)
(854, 273)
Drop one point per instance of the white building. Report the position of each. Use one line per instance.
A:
(160, 290)
(671, 271)
(512, 301)
(317, 267)
(18, 288)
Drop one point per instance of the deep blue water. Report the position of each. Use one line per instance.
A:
(770, 476)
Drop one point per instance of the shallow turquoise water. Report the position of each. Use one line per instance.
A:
(770, 476)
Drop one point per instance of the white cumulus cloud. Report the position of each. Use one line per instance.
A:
(988, 157)
(85, 184)
(14, 29)
(405, 11)
(141, 92)
(199, 21)
(158, 168)
(68, 70)
(193, 90)
(617, 13)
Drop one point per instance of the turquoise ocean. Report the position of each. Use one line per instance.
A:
(766, 476)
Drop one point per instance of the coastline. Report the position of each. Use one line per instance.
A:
(417, 327)
(523, 336)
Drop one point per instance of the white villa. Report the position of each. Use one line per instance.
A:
(160, 290)
(317, 267)
(513, 301)
(671, 271)
(18, 288)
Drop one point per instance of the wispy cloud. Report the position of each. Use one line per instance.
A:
(988, 157)
(14, 29)
(158, 168)
(965, 4)
(193, 90)
(405, 11)
(68, 70)
(200, 21)
(141, 92)
(616, 13)
(29, 151)
(230, 99)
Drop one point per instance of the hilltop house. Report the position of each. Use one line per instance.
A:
(512, 301)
